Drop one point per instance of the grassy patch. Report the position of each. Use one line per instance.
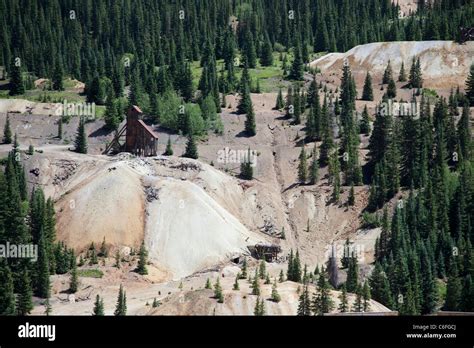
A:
(90, 273)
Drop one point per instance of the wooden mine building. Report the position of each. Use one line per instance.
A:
(140, 139)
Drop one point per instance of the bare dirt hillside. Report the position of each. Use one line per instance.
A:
(444, 64)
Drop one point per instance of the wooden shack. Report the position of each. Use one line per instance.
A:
(140, 139)
(265, 251)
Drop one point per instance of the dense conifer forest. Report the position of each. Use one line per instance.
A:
(420, 170)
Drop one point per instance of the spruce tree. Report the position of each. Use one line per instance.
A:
(266, 58)
(246, 169)
(57, 79)
(73, 282)
(17, 85)
(142, 261)
(358, 303)
(244, 269)
(322, 302)
(236, 282)
(470, 86)
(121, 306)
(208, 284)
(302, 167)
(250, 127)
(7, 297)
(402, 77)
(81, 137)
(191, 148)
(169, 148)
(367, 93)
(25, 293)
(60, 128)
(7, 132)
(343, 306)
(275, 295)
(366, 297)
(364, 125)
(256, 284)
(296, 72)
(218, 291)
(352, 274)
(304, 303)
(42, 275)
(391, 89)
(262, 271)
(279, 102)
(98, 306)
(314, 167)
(453, 290)
(387, 75)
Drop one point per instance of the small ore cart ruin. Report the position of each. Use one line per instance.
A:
(265, 251)
(140, 139)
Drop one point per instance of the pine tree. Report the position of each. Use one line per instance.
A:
(304, 304)
(302, 167)
(244, 269)
(169, 149)
(281, 277)
(81, 138)
(191, 148)
(334, 170)
(256, 284)
(415, 78)
(314, 167)
(142, 261)
(259, 309)
(57, 79)
(218, 291)
(236, 282)
(98, 306)
(322, 302)
(351, 198)
(246, 169)
(296, 72)
(367, 93)
(250, 127)
(343, 306)
(262, 271)
(366, 297)
(402, 77)
(470, 86)
(358, 303)
(7, 132)
(275, 295)
(391, 89)
(117, 259)
(7, 297)
(17, 85)
(121, 307)
(453, 290)
(208, 284)
(42, 276)
(73, 282)
(364, 125)
(387, 75)
(60, 128)
(352, 274)
(279, 102)
(266, 58)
